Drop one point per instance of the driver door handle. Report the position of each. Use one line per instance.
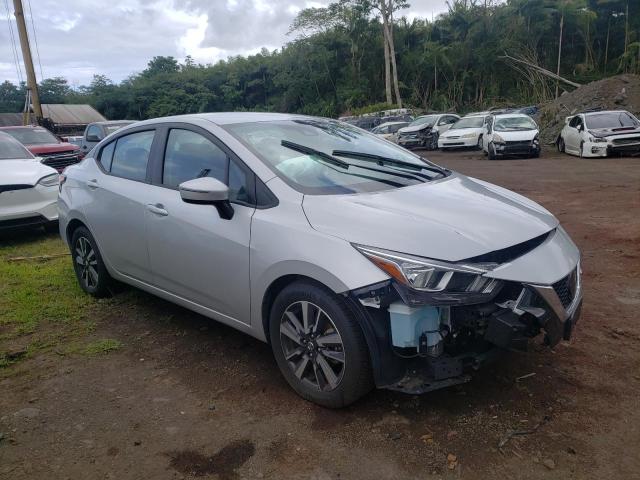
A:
(92, 184)
(158, 209)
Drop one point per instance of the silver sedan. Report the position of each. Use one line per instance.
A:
(361, 263)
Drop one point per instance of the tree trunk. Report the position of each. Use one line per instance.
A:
(606, 48)
(559, 52)
(387, 66)
(392, 54)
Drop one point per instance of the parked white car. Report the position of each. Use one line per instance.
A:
(511, 134)
(598, 134)
(466, 132)
(424, 131)
(28, 188)
(389, 130)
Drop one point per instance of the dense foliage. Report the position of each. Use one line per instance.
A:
(336, 62)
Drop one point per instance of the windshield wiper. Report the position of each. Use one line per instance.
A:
(312, 151)
(381, 160)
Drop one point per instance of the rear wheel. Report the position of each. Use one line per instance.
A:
(319, 347)
(90, 270)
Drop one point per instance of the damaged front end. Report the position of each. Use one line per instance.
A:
(433, 321)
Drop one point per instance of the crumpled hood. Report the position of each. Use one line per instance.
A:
(517, 135)
(417, 128)
(609, 132)
(23, 172)
(452, 219)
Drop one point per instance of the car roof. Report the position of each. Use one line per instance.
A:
(596, 112)
(114, 122)
(511, 115)
(385, 124)
(15, 127)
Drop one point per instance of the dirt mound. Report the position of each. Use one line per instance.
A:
(619, 92)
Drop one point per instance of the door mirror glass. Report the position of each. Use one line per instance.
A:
(207, 191)
(93, 138)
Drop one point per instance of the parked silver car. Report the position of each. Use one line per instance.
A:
(360, 262)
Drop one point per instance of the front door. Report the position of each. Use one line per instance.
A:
(194, 253)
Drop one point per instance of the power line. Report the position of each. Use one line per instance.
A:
(35, 39)
(14, 50)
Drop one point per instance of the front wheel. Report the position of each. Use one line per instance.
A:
(561, 146)
(480, 143)
(319, 346)
(90, 270)
(492, 151)
(432, 143)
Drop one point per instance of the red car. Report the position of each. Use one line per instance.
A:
(42, 143)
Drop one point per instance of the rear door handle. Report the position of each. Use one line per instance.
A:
(93, 184)
(158, 209)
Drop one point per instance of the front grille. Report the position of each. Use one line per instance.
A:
(566, 288)
(626, 141)
(61, 160)
(519, 143)
(9, 188)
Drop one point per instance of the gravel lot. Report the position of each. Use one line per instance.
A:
(184, 397)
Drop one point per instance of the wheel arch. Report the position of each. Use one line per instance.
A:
(72, 226)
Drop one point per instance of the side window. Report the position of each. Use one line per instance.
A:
(93, 131)
(131, 155)
(452, 120)
(575, 121)
(106, 156)
(189, 155)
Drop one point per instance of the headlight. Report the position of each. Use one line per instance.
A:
(442, 281)
(597, 140)
(469, 135)
(498, 139)
(49, 180)
(536, 140)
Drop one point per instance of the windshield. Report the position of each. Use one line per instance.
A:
(611, 120)
(32, 136)
(509, 124)
(426, 120)
(315, 173)
(468, 122)
(12, 149)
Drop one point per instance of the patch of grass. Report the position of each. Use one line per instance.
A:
(103, 346)
(41, 303)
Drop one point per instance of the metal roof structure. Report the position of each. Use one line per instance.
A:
(69, 114)
(10, 119)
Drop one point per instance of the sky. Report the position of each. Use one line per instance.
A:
(79, 38)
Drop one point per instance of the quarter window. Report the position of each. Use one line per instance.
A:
(131, 155)
(106, 156)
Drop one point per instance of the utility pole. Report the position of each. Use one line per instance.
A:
(32, 84)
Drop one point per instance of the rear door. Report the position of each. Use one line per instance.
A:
(194, 253)
(119, 194)
(572, 140)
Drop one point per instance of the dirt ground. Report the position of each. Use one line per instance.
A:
(186, 397)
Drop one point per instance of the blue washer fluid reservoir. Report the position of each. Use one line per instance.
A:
(408, 323)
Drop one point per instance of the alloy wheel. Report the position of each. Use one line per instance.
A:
(86, 262)
(312, 346)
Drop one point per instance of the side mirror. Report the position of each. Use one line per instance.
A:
(207, 191)
(580, 127)
(93, 138)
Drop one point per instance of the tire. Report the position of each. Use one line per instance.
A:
(432, 143)
(492, 151)
(561, 145)
(581, 149)
(88, 265)
(337, 344)
(480, 145)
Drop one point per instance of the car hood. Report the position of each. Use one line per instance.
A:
(518, 135)
(41, 149)
(452, 219)
(458, 132)
(23, 172)
(610, 132)
(417, 128)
